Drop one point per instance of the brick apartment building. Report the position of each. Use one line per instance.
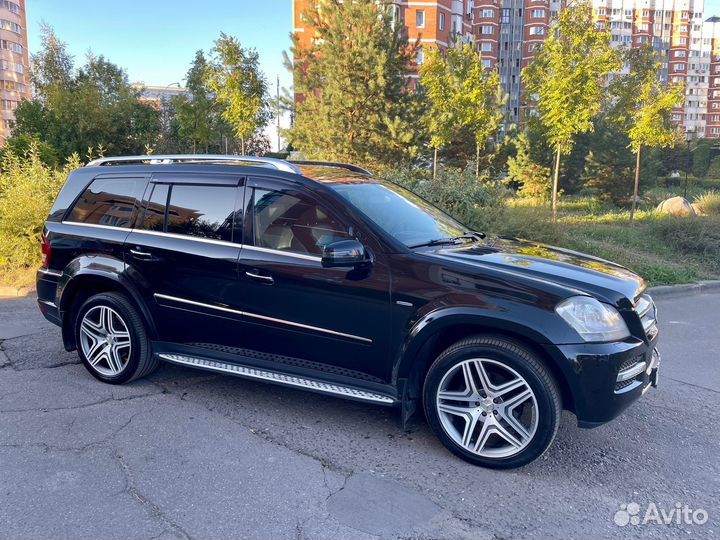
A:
(14, 63)
(507, 33)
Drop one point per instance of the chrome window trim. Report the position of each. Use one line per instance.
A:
(281, 252)
(97, 226)
(188, 237)
(262, 317)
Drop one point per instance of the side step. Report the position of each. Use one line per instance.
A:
(275, 377)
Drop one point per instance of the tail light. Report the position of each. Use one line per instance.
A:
(46, 251)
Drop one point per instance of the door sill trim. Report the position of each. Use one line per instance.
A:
(277, 377)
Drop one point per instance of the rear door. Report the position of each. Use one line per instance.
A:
(184, 252)
(337, 317)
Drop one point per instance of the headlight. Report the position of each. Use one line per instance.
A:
(593, 320)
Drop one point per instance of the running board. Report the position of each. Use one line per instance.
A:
(275, 377)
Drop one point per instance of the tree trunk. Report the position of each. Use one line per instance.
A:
(555, 185)
(477, 160)
(242, 146)
(637, 185)
(435, 164)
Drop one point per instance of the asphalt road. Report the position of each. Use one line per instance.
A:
(188, 455)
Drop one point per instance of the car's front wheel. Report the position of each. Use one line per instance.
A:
(111, 339)
(492, 402)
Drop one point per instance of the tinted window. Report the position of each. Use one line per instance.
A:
(154, 218)
(293, 223)
(205, 211)
(107, 202)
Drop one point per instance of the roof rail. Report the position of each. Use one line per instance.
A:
(348, 166)
(279, 164)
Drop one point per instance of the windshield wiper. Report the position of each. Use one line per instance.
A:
(451, 240)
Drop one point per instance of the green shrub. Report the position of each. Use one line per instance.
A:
(459, 193)
(27, 190)
(709, 202)
(694, 237)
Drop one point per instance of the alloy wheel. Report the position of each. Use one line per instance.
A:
(487, 408)
(105, 340)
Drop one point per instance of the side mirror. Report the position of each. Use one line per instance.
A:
(343, 254)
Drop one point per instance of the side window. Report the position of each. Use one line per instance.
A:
(204, 211)
(154, 218)
(107, 201)
(293, 222)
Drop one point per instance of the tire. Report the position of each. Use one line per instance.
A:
(506, 417)
(118, 355)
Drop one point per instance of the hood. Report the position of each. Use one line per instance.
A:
(604, 279)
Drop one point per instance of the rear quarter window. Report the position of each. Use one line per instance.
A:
(108, 201)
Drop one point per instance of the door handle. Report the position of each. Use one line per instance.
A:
(265, 279)
(140, 254)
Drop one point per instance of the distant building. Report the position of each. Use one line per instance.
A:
(154, 95)
(14, 63)
(508, 32)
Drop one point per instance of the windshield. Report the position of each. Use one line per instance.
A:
(400, 212)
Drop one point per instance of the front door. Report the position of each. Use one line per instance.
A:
(294, 307)
(184, 251)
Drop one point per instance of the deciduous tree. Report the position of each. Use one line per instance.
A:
(565, 79)
(233, 75)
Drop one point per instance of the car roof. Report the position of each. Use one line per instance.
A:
(320, 171)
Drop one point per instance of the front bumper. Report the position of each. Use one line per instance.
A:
(605, 378)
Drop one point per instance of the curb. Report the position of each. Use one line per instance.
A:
(15, 292)
(669, 291)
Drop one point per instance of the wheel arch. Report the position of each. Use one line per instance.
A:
(425, 345)
(79, 285)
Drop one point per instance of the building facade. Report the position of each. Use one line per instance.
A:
(14, 62)
(508, 32)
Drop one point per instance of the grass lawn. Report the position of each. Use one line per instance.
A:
(663, 249)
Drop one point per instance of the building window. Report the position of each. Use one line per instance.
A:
(441, 21)
(9, 25)
(538, 13)
(487, 13)
(487, 63)
(486, 46)
(10, 6)
(420, 18)
(537, 31)
(419, 56)
(645, 13)
(486, 29)
(680, 54)
(601, 11)
(505, 16)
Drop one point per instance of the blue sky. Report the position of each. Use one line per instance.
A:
(155, 40)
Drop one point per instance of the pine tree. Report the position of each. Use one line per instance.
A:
(356, 105)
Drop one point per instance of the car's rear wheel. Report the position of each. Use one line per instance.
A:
(112, 341)
(492, 402)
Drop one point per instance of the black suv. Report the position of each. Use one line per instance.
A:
(319, 276)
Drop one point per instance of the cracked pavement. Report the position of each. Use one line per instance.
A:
(185, 454)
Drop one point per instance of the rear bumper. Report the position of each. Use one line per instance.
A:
(47, 282)
(599, 394)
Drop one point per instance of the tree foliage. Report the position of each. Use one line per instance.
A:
(356, 105)
(464, 97)
(565, 79)
(196, 118)
(233, 75)
(643, 106)
(76, 109)
(531, 178)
